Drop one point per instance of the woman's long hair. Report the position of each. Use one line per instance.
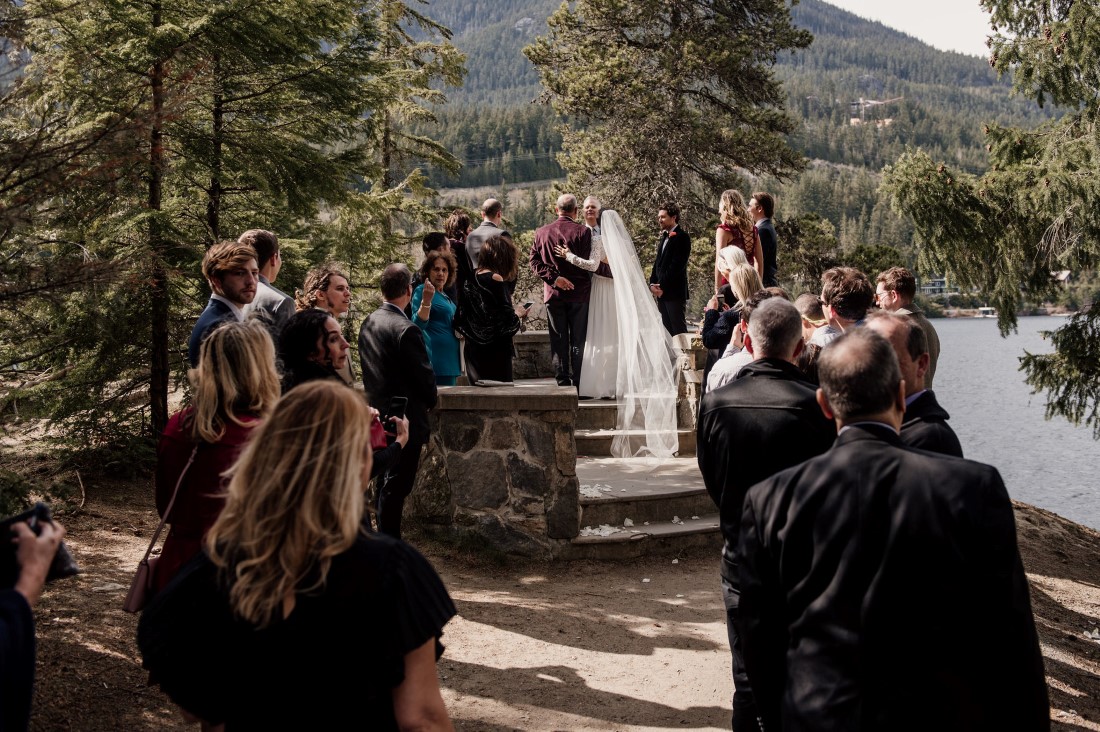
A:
(295, 499)
(298, 341)
(236, 376)
(732, 211)
(317, 280)
(745, 282)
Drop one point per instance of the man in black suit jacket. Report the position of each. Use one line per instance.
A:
(749, 430)
(395, 363)
(566, 288)
(881, 586)
(925, 422)
(761, 208)
(230, 269)
(669, 279)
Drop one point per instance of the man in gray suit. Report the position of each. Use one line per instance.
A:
(492, 224)
(271, 304)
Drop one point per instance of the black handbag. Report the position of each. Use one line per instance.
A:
(480, 319)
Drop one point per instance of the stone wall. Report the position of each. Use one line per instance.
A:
(502, 463)
(532, 358)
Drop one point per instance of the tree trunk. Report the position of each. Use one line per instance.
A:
(214, 194)
(159, 371)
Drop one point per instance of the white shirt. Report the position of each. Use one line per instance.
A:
(237, 309)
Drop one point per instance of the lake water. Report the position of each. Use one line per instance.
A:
(1050, 464)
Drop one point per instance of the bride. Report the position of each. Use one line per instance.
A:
(628, 353)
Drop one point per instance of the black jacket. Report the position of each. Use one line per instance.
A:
(395, 363)
(882, 589)
(765, 421)
(769, 245)
(925, 426)
(670, 269)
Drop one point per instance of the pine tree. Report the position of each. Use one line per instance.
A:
(1035, 210)
(665, 99)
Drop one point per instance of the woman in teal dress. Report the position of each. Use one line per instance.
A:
(434, 312)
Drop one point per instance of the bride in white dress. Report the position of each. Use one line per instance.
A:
(628, 353)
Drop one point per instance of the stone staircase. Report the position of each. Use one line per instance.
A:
(636, 506)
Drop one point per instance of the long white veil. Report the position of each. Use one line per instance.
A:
(646, 380)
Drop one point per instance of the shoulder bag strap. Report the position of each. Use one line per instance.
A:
(172, 502)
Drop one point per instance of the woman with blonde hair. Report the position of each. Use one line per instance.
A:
(296, 618)
(736, 229)
(235, 386)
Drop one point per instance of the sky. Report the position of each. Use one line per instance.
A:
(949, 25)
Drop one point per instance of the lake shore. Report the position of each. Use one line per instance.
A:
(578, 646)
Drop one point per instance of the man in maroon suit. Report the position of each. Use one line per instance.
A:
(566, 288)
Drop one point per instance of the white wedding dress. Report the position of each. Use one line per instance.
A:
(642, 359)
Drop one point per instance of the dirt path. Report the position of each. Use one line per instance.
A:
(580, 646)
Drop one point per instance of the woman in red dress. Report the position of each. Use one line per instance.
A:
(736, 229)
(235, 386)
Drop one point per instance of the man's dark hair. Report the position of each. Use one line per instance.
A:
(434, 241)
(432, 258)
(500, 256)
(672, 210)
(491, 208)
(766, 203)
(809, 305)
(916, 340)
(859, 374)
(395, 281)
(264, 242)
(751, 304)
(900, 280)
(847, 291)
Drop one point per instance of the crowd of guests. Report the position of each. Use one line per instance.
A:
(868, 585)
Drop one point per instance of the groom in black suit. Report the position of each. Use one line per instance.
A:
(881, 586)
(669, 280)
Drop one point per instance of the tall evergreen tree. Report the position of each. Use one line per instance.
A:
(1034, 211)
(665, 99)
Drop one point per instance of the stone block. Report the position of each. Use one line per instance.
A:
(460, 431)
(563, 510)
(527, 478)
(478, 479)
(510, 538)
(538, 438)
(431, 499)
(503, 433)
(565, 452)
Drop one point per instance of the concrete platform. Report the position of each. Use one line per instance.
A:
(614, 489)
(597, 442)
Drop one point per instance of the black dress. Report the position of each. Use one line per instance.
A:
(491, 361)
(337, 657)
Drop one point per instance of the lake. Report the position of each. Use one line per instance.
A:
(1050, 464)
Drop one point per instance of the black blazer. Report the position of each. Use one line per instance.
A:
(765, 421)
(925, 426)
(670, 269)
(216, 313)
(882, 589)
(769, 245)
(395, 363)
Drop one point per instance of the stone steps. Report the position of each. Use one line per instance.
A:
(597, 442)
(664, 499)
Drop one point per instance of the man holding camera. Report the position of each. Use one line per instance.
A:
(395, 368)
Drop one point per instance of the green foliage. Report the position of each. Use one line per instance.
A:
(1035, 210)
(810, 247)
(666, 100)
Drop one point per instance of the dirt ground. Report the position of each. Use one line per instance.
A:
(571, 646)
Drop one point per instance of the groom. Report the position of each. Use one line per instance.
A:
(566, 288)
(669, 279)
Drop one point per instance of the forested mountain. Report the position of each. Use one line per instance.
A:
(946, 97)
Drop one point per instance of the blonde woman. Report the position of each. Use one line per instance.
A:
(736, 229)
(235, 386)
(297, 618)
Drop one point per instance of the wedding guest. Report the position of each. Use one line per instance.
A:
(433, 311)
(235, 386)
(846, 296)
(295, 618)
(761, 208)
(736, 356)
(847, 560)
(491, 319)
(231, 271)
(457, 228)
(327, 288)
(435, 241)
(722, 314)
(271, 303)
(736, 229)
(311, 347)
(809, 307)
(894, 292)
